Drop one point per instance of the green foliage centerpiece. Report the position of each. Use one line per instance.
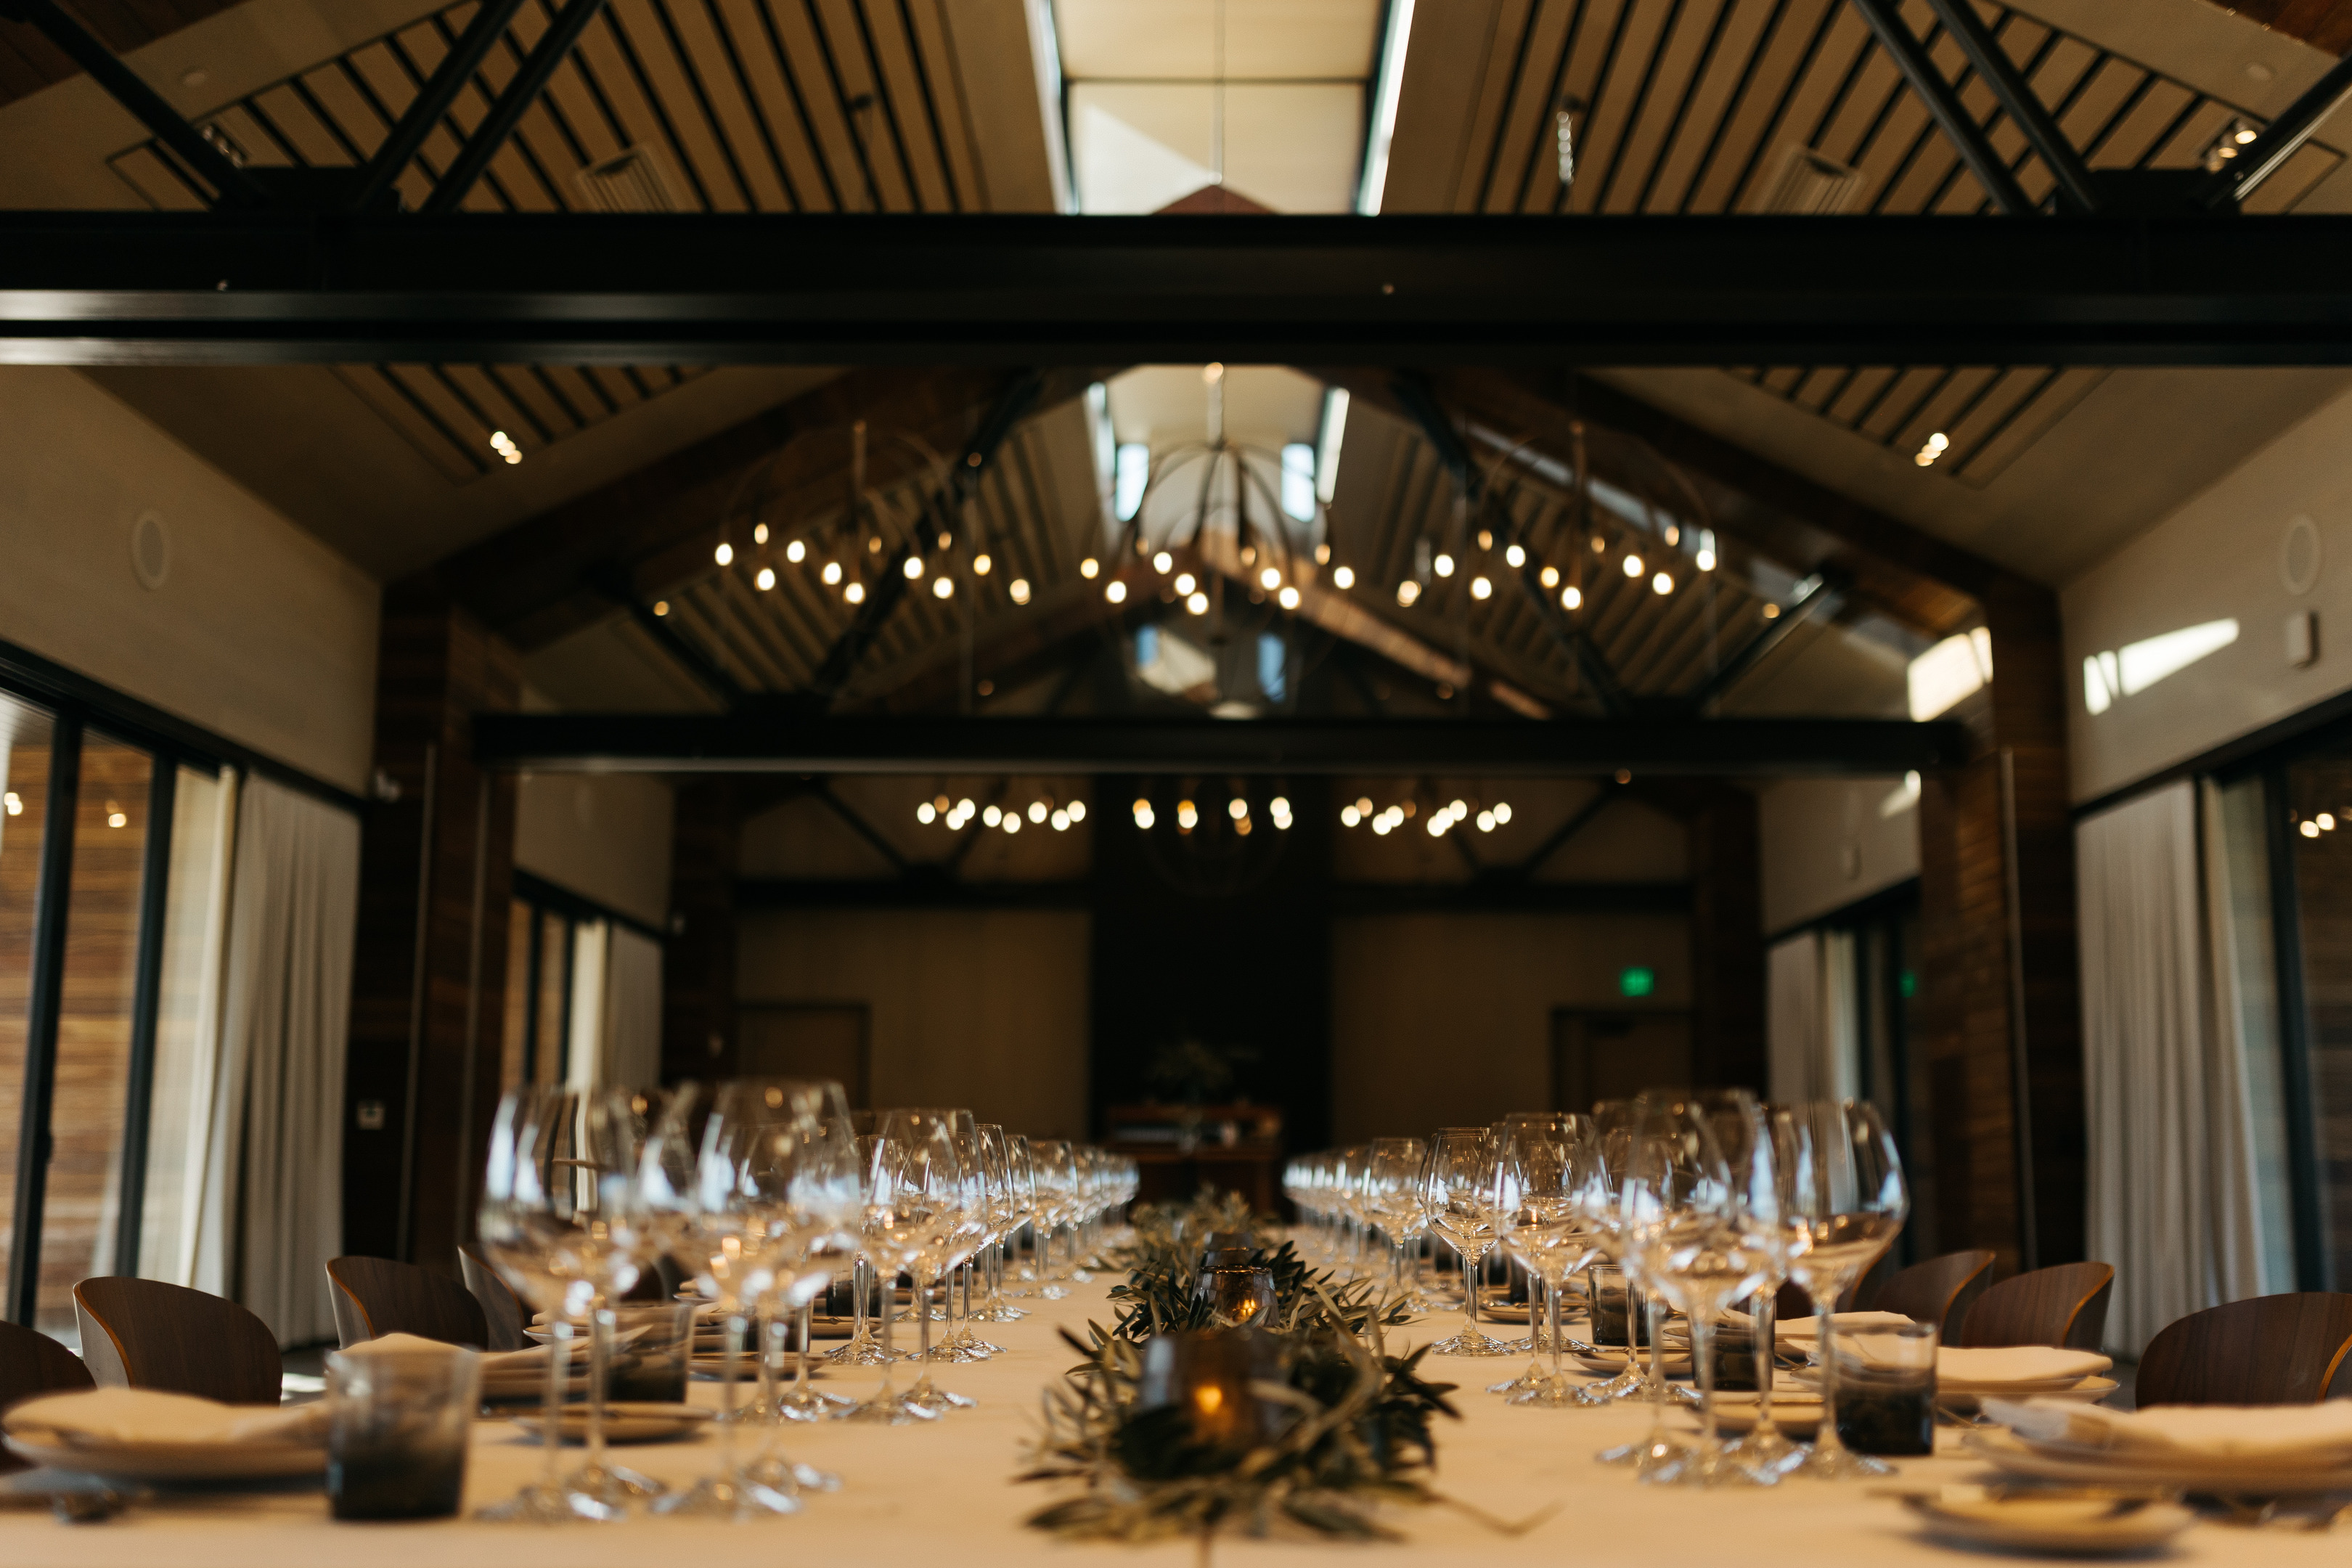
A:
(1176, 1426)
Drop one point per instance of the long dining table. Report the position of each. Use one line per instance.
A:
(945, 1492)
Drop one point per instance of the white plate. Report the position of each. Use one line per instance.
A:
(170, 1461)
(2052, 1523)
(626, 1421)
(2090, 1391)
(2252, 1477)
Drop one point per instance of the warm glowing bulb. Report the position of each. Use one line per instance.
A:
(759, 533)
(1116, 591)
(943, 586)
(1349, 816)
(1772, 612)
(1364, 805)
(1550, 578)
(1517, 556)
(832, 573)
(796, 553)
(117, 819)
(1186, 583)
(1344, 578)
(1279, 806)
(1143, 818)
(1037, 809)
(963, 807)
(1161, 562)
(724, 554)
(855, 593)
(1288, 598)
(1438, 823)
(1480, 588)
(1011, 823)
(1572, 598)
(1485, 822)
(1237, 809)
(1197, 603)
(926, 814)
(1061, 820)
(766, 579)
(1408, 592)
(1188, 815)
(1663, 583)
(914, 567)
(1382, 826)
(992, 816)
(2326, 821)
(1633, 566)
(1705, 561)
(13, 802)
(1444, 565)
(2310, 830)
(1090, 567)
(1020, 590)
(661, 606)
(1269, 579)
(1212, 373)
(981, 566)
(1502, 811)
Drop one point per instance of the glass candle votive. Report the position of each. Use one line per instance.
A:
(398, 1420)
(1886, 1390)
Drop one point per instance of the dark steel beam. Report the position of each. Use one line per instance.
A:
(781, 739)
(1568, 829)
(127, 88)
(464, 59)
(1944, 105)
(1818, 595)
(530, 81)
(2019, 102)
(684, 651)
(1031, 289)
(2280, 140)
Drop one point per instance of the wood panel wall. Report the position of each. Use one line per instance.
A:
(698, 959)
(429, 982)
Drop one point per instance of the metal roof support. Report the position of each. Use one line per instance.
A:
(1819, 595)
(127, 88)
(2280, 138)
(2019, 101)
(615, 584)
(1910, 55)
(432, 100)
(530, 81)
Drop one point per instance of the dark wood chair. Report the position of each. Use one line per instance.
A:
(2065, 1305)
(502, 1315)
(1938, 1292)
(32, 1364)
(144, 1333)
(2270, 1350)
(375, 1296)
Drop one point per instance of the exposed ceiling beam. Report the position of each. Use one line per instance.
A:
(252, 287)
(2019, 102)
(1944, 106)
(2280, 140)
(785, 739)
(424, 114)
(657, 525)
(513, 100)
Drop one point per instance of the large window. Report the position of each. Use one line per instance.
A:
(112, 870)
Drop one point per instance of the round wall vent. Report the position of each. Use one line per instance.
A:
(151, 550)
(2299, 556)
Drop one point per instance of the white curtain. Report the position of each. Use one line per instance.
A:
(273, 1169)
(1813, 1028)
(2172, 1191)
(633, 1009)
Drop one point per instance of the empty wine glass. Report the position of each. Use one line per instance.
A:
(799, 1167)
(910, 1203)
(1021, 1185)
(1056, 1172)
(1847, 1201)
(1392, 1196)
(1458, 1183)
(1541, 1218)
(1007, 1207)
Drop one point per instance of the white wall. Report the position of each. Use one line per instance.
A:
(985, 1008)
(1445, 1020)
(606, 837)
(259, 632)
(2217, 557)
(1829, 842)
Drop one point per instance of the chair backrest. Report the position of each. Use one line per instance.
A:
(1938, 1292)
(2062, 1305)
(502, 1309)
(2271, 1350)
(375, 1296)
(31, 1362)
(144, 1333)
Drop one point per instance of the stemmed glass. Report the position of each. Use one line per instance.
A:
(909, 1209)
(1458, 1186)
(1021, 1187)
(1007, 1208)
(934, 1171)
(964, 1239)
(1541, 1219)
(1055, 1171)
(530, 1201)
(800, 1167)
(1703, 1231)
(1847, 1201)
(1392, 1196)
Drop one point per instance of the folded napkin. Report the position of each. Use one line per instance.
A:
(149, 1416)
(1991, 1366)
(1811, 1327)
(2316, 1434)
(400, 1344)
(531, 1357)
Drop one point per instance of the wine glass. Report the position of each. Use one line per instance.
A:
(1021, 1185)
(1701, 1232)
(1392, 1196)
(1006, 1211)
(800, 1170)
(909, 1209)
(529, 1200)
(1458, 1187)
(1541, 1219)
(1847, 1201)
(1055, 1164)
(964, 1240)
(1562, 1124)
(933, 1174)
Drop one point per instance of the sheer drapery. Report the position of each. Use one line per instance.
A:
(1793, 1023)
(632, 1003)
(273, 1169)
(2171, 1183)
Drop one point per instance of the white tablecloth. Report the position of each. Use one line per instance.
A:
(942, 1494)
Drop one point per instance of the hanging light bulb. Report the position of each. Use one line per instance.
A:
(1344, 578)
(1572, 598)
(1090, 567)
(992, 816)
(926, 814)
(759, 533)
(724, 554)
(1633, 566)
(1350, 815)
(1011, 822)
(1115, 590)
(1077, 811)
(1161, 562)
(1550, 578)
(1485, 822)
(855, 593)
(1408, 592)
(1663, 583)
(1442, 565)
(914, 567)
(942, 587)
(832, 573)
(1480, 588)
(766, 579)
(1142, 813)
(982, 565)
(1270, 579)
(1502, 811)
(1061, 820)
(1197, 603)
(795, 552)
(1516, 555)
(1237, 809)
(1288, 598)
(1019, 590)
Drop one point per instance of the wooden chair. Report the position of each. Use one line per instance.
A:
(144, 1333)
(1938, 1292)
(2270, 1350)
(2066, 1305)
(502, 1315)
(31, 1363)
(375, 1296)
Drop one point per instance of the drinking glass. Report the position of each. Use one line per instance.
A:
(1542, 1220)
(1458, 1186)
(1006, 1211)
(1055, 1167)
(1703, 1231)
(1392, 1196)
(935, 1142)
(909, 1208)
(529, 1210)
(1021, 1185)
(398, 1424)
(800, 1168)
(1847, 1201)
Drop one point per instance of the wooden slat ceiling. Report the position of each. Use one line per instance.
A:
(1689, 106)
(741, 105)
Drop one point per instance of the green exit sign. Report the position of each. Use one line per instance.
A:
(1638, 980)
